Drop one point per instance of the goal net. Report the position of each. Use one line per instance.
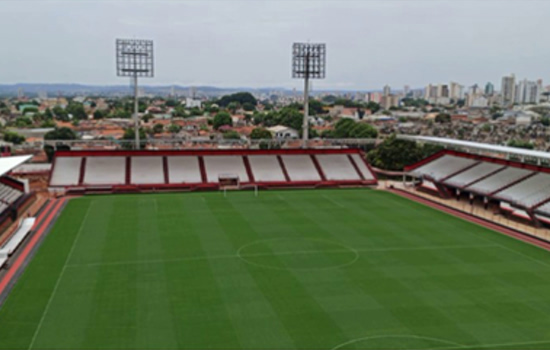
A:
(229, 181)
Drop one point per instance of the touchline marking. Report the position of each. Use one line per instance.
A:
(59, 278)
(240, 256)
(452, 345)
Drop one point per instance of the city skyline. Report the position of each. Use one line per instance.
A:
(371, 44)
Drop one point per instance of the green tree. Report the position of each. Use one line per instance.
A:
(231, 135)
(395, 154)
(76, 109)
(247, 106)
(443, 118)
(61, 134)
(239, 97)
(129, 135)
(291, 117)
(23, 122)
(343, 127)
(31, 110)
(13, 137)
(174, 128)
(260, 133)
(222, 118)
(147, 117)
(521, 144)
(363, 131)
(315, 107)
(98, 114)
(158, 128)
(233, 106)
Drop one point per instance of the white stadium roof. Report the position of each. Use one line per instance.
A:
(8, 163)
(477, 147)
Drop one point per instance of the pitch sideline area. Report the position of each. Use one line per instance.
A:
(332, 269)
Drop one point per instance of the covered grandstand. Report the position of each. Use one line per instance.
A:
(92, 171)
(492, 173)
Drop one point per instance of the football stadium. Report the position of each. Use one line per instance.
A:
(278, 249)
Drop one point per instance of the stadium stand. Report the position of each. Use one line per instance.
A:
(518, 189)
(266, 168)
(70, 171)
(146, 170)
(443, 167)
(102, 171)
(184, 169)
(126, 171)
(219, 165)
(362, 167)
(337, 167)
(300, 167)
(528, 192)
(498, 181)
(473, 174)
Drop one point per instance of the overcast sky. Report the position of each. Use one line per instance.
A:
(247, 43)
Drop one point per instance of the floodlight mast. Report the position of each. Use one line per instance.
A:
(308, 62)
(135, 58)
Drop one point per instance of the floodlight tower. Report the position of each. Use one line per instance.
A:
(134, 58)
(308, 62)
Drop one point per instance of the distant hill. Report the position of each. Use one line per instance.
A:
(33, 90)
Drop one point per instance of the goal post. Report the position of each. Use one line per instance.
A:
(232, 182)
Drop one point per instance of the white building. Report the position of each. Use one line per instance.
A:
(283, 132)
(192, 103)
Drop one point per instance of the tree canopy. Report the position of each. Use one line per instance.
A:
(61, 134)
(222, 118)
(240, 97)
(395, 154)
(260, 133)
(13, 137)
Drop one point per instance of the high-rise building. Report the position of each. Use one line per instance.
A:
(508, 90)
(489, 89)
(456, 91)
(387, 90)
(406, 90)
(443, 90)
(527, 92)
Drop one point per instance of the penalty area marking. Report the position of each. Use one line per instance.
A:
(449, 344)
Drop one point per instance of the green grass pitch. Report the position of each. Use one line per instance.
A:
(318, 269)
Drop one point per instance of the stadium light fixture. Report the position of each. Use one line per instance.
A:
(308, 62)
(134, 58)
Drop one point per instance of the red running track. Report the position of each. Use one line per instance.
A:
(485, 223)
(44, 222)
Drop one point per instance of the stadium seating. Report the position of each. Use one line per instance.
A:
(266, 168)
(223, 165)
(499, 180)
(300, 167)
(337, 167)
(105, 171)
(68, 171)
(131, 171)
(183, 169)
(473, 174)
(544, 209)
(362, 166)
(147, 170)
(528, 192)
(443, 167)
(8, 195)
